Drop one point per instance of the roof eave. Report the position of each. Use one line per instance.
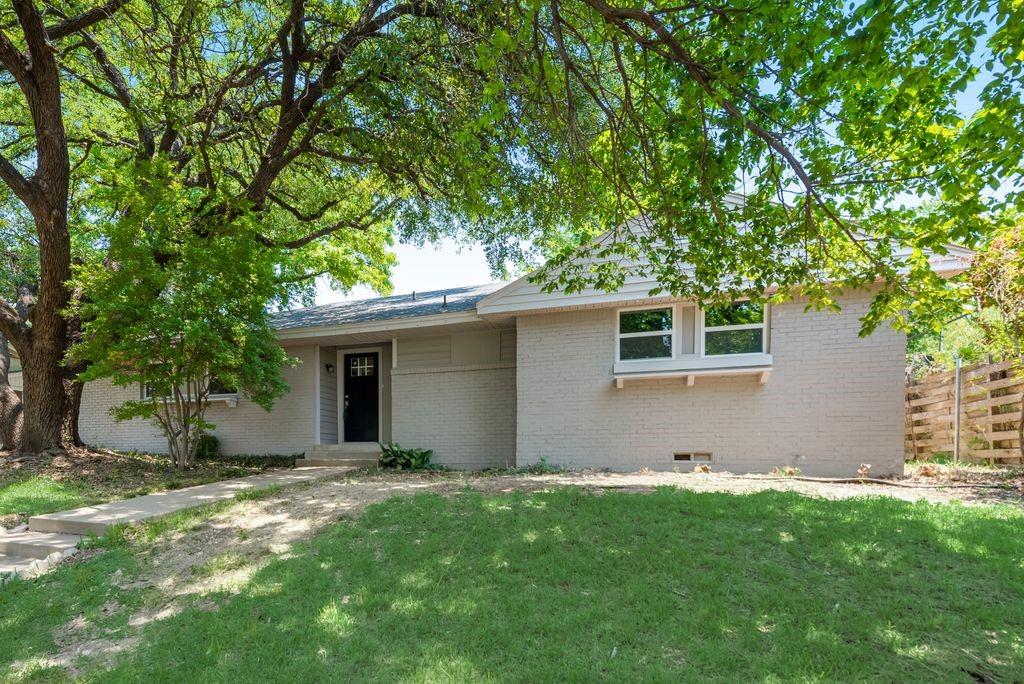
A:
(386, 325)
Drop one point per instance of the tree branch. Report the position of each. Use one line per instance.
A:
(362, 223)
(16, 181)
(294, 211)
(12, 327)
(84, 20)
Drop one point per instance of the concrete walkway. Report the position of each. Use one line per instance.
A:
(52, 537)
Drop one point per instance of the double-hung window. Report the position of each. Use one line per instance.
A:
(646, 334)
(737, 328)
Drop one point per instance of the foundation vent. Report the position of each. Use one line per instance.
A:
(692, 456)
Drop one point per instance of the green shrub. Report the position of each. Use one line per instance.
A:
(207, 446)
(399, 458)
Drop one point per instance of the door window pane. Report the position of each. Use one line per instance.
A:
(360, 366)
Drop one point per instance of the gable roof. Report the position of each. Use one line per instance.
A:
(413, 305)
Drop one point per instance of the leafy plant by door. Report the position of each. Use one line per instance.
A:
(396, 457)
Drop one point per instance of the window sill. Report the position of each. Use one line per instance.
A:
(689, 368)
(693, 362)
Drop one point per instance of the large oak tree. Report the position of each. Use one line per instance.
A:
(34, 322)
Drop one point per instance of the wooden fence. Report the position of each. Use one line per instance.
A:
(990, 414)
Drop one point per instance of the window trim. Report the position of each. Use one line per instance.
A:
(619, 335)
(763, 326)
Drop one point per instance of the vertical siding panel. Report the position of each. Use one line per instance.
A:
(328, 396)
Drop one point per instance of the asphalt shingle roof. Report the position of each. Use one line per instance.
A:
(385, 308)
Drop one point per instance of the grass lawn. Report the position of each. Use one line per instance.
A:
(87, 477)
(566, 585)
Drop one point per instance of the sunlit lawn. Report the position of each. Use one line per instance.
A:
(573, 586)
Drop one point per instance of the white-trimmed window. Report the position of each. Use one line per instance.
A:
(646, 334)
(737, 328)
(218, 390)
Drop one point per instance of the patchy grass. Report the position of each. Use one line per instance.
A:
(31, 486)
(79, 594)
(541, 467)
(258, 493)
(942, 470)
(566, 585)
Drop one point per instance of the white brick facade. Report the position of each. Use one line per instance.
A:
(833, 400)
(242, 429)
(467, 414)
(496, 398)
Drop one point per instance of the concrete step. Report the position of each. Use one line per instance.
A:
(347, 450)
(345, 455)
(36, 545)
(320, 462)
(14, 565)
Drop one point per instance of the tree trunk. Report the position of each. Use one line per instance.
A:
(10, 416)
(44, 400)
(10, 402)
(72, 405)
(42, 364)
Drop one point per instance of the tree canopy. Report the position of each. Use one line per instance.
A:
(839, 124)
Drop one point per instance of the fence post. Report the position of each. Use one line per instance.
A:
(956, 415)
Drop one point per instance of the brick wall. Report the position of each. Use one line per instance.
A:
(467, 414)
(833, 400)
(242, 429)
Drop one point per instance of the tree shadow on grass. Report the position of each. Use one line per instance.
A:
(566, 585)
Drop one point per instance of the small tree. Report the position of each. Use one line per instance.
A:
(998, 278)
(189, 310)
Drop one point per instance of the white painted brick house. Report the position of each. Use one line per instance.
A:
(497, 376)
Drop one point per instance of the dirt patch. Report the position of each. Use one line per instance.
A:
(222, 552)
(79, 641)
(932, 472)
